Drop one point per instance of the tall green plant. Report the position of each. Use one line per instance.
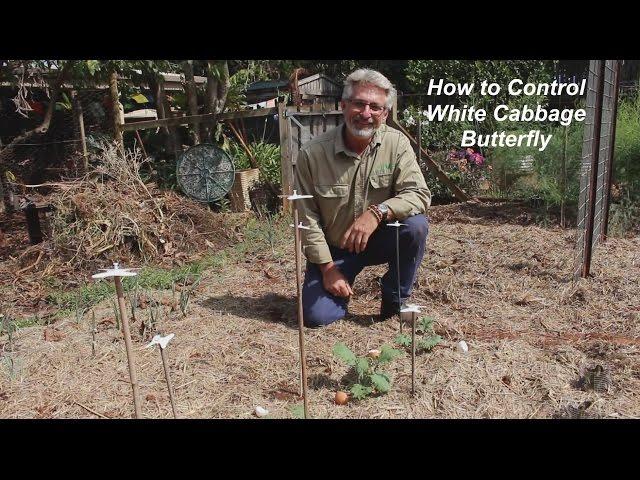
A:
(266, 154)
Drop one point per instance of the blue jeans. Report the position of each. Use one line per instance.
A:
(321, 308)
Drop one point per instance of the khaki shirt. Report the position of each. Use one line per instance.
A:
(344, 184)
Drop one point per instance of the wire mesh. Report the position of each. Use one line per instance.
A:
(601, 83)
(29, 153)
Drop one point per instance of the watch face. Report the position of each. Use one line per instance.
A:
(383, 208)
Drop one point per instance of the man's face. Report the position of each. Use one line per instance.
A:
(365, 111)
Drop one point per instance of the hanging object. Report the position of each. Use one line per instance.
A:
(205, 172)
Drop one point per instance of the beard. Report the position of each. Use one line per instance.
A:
(361, 132)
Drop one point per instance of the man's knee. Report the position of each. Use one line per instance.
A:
(417, 228)
(322, 314)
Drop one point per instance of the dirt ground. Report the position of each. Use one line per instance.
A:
(490, 277)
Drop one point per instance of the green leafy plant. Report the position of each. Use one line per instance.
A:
(267, 156)
(426, 338)
(369, 378)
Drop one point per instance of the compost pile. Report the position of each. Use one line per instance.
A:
(111, 214)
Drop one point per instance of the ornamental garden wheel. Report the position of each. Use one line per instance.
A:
(205, 172)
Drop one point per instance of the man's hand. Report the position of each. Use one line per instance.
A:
(356, 237)
(334, 281)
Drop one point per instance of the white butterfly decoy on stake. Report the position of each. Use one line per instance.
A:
(300, 226)
(162, 343)
(395, 224)
(295, 196)
(160, 340)
(116, 273)
(303, 362)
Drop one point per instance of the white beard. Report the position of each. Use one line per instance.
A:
(361, 132)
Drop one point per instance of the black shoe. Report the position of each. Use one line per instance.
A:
(388, 310)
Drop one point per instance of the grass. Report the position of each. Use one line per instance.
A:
(269, 234)
(153, 278)
(266, 233)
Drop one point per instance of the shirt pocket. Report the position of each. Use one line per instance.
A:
(381, 181)
(332, 191)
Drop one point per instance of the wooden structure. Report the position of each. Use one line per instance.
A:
(297, 126)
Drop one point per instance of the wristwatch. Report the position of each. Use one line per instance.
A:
(384, 209)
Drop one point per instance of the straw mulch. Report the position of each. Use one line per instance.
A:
(495, 280)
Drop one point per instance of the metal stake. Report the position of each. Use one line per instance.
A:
(413, 353)
(116, 272)
(93, 333)
(414, 310)
(398, 225)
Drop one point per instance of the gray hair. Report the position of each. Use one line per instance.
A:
(366, 75)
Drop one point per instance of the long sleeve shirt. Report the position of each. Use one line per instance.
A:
(344, 184)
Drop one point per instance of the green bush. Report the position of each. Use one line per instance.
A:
(267, 156)
(626, 172)
(624, 216)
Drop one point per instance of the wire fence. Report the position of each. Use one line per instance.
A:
(80, 120)
(597, 157)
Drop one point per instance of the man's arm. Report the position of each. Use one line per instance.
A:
(412, 197)
(314, 243)
(412, 194)
(315, 246)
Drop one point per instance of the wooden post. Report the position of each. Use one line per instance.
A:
(303, 358)
(79, 119)
(33, 223)
(115, 109)
(285, 157)
(128, 347)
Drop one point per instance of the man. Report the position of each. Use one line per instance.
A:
(362, 175)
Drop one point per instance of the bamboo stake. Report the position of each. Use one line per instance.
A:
(116, 272)
(127, 342)
(162, 343)
(303, 361)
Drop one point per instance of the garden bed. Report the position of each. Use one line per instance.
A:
(498, 282)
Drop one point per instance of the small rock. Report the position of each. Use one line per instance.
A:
(463, 347)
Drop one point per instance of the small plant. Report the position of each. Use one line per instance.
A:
(80, 309)
(428, 339)
(134, 299)
(116, 312)
(8, 327)
(186, 293)
(13, 365)
(155, 316)
(370, 379)
(297, 411)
